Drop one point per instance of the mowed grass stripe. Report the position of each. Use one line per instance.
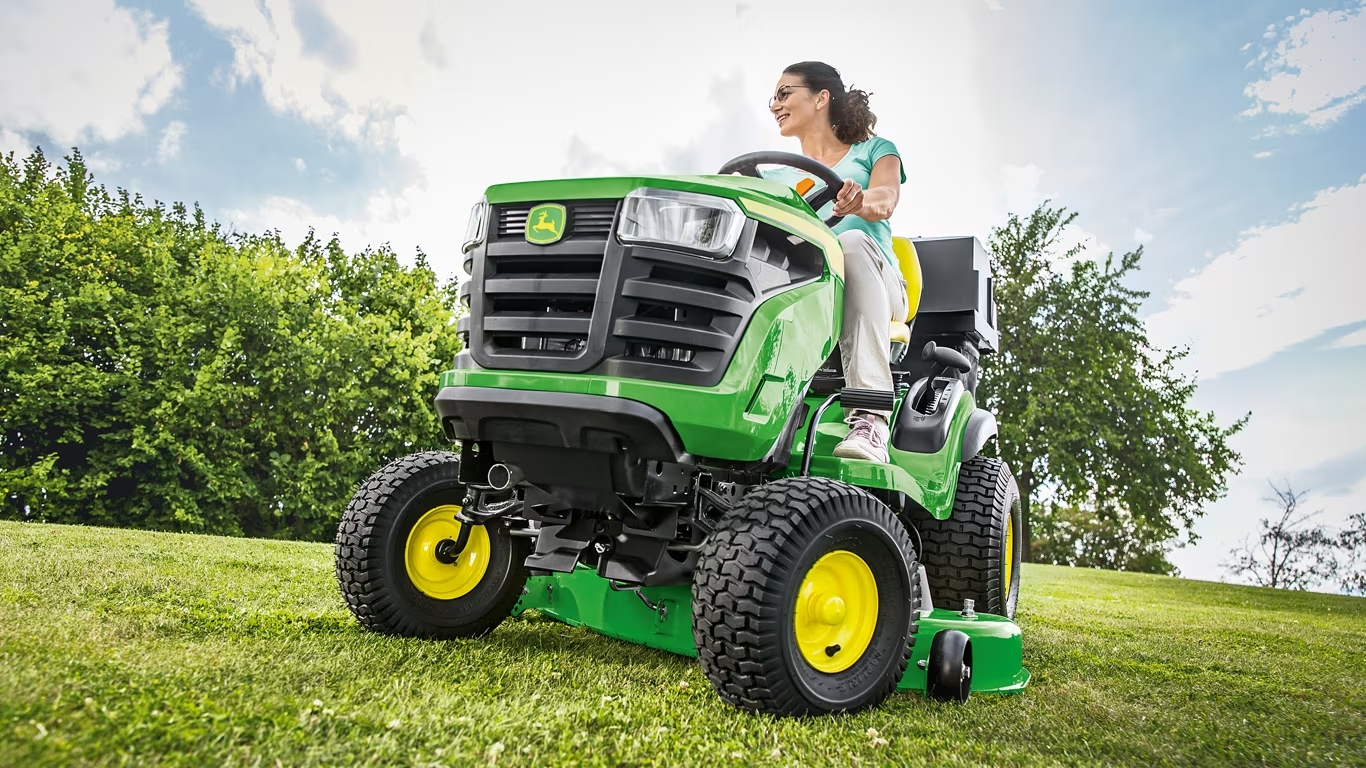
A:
(136, 648)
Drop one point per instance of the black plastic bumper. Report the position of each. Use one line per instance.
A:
(560, 420)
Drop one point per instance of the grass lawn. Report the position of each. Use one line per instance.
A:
(133, 648)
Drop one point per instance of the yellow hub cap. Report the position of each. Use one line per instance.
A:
(426, 557)
(1010, 558)
(836, 611)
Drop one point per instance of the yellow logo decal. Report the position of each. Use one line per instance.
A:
(545, 224)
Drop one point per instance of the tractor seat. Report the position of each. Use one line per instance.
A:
(909, 263)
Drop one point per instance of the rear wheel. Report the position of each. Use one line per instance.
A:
(805, 600)
(400, 564)
(975, 553)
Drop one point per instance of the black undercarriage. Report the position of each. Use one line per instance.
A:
(601, 481)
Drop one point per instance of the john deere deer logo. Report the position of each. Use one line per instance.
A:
(545, 224)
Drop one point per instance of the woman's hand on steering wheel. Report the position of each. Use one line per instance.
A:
(748, 165)
(849, 200)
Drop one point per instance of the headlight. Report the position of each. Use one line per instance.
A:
(710, 225)
(474, 231)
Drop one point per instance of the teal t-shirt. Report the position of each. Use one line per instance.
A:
(858, 166)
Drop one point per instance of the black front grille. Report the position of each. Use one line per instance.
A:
(589, 304)
(538, 300)
(586, 218)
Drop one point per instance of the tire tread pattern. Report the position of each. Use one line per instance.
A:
(741, 574)
(962, 553)
(360, 554)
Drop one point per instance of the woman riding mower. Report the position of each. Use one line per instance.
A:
(835, 127)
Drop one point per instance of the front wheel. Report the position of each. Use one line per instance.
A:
(805, 600)
(399, 561)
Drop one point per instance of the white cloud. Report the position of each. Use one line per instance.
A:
(169, 148)
(349, 66)
(995, 5)
(1021, 191)
(1317, 70)
(1281, 285)
(487, 116)
(1019, 188)
(11, 141)
(300, 165)
(1142, 236)
(102, 163)
(78, 70)
(1261, 155)
(1354, 339)
(293, 218)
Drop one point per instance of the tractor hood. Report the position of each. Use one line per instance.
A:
(738, 188)
(768, 202)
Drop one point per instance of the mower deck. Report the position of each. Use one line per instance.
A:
(583, 599)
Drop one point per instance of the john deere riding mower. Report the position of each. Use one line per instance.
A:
(646, 405)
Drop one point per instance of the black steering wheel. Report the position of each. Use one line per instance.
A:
(748, 165)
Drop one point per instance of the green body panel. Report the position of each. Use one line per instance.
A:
(787, 340)
(997, 651)
(929, 479)
(583, 599)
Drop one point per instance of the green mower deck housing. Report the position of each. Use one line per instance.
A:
(650, 386)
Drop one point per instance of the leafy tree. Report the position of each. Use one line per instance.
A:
(1072, 535)
(1092, 416)
(158, 373)
(1289, 553)
(1352, 570)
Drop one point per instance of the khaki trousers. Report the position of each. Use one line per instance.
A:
(873, 293)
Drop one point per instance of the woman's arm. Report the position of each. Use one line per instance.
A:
(879, 200)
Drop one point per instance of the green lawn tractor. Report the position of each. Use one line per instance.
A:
(646, 406)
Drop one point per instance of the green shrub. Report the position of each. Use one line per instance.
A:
(157, 372)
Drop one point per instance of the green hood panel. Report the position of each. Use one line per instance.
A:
(733, 187)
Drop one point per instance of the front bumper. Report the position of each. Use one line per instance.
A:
(563, 439)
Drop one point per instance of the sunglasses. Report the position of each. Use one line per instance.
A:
(783, 93)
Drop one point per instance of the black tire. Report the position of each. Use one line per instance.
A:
(745, 597)
(965, 554)
(370, 555)
(949, 674)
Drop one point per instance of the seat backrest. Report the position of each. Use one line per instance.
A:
(910, 272)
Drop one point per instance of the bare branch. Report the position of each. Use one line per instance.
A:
(1289, 553)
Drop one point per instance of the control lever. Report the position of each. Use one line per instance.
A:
(946, 357)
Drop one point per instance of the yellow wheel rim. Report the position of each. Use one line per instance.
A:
(836, 611)
(431, 576)
(1009, 559)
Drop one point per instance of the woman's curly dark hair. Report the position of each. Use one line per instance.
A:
(850, 114)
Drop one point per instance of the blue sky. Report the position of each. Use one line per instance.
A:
(1228, 138)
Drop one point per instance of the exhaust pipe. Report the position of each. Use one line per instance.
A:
(505, 477)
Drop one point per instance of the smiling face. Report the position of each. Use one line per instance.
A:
(796, 107)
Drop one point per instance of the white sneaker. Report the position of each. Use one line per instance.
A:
(867, 440)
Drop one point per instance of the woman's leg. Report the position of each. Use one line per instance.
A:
(871, 290)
